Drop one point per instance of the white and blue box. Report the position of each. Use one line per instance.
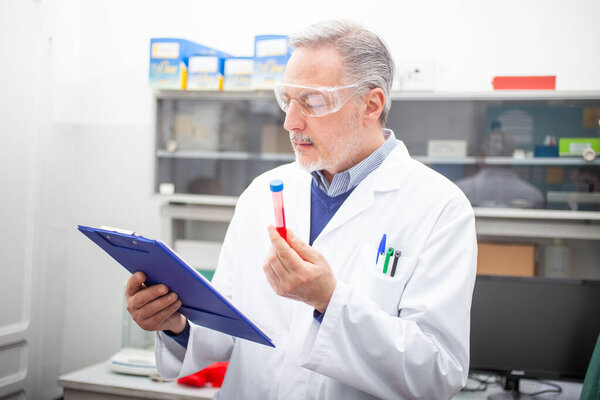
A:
(169, 59)
(238, 74)
(271, 54)
(206, 72)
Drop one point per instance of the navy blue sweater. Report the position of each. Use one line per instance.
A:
(323, 208)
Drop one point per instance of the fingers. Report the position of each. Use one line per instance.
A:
(272, 278)
(302, 248)
(283, 268)
(150, 306)
(278, 265)
(135, 283)
(157, 320)
(277, 277)
(275, 271)
(289, 259)
(276, 238)
(150, 315)
(146, 295)
(297, 271)
(273, 266)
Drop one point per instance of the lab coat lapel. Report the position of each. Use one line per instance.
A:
(359, 200)
(387, 177)
(297, 207)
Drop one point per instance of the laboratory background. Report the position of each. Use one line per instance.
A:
(502, 97)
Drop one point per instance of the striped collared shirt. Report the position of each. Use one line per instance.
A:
(350, 178)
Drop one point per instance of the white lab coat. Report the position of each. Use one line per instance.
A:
(401, 337)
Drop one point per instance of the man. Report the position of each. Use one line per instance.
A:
(343, 328)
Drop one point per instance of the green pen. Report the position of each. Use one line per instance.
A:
(389, 254)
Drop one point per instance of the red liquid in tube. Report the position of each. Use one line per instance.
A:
(277, 192)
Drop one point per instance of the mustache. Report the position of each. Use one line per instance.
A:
(294, 136)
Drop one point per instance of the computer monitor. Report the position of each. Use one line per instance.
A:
(535, 328)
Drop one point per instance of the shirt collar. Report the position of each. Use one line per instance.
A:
(349, 179)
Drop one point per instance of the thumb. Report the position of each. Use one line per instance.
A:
(306, 252)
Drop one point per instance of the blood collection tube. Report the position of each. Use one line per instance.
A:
(277, 192)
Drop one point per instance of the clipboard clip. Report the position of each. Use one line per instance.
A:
(118, 230)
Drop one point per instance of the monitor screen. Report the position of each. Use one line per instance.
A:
(534, 327)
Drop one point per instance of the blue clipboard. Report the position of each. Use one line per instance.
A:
(201, 302)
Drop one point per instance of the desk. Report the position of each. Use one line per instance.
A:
(98, 382)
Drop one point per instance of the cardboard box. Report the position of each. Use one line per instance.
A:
(205, 72)
(508, 259)
(271, 54)
(576, 146)
(238, 74)
(169, 58)
(555, 175)
(591, 118)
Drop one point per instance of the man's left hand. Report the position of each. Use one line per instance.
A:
(297, 271)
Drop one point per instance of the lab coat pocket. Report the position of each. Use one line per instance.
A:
(386, 290)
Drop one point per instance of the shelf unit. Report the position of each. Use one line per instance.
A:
(397, 96)
(506, 222)
(225, 155)
(238, 155)
(498, 95)
(516, 223)
(543, 161)
(181, 210)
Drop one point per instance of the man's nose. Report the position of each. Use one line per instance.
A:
(294, 120)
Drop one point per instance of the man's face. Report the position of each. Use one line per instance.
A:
(331, 142)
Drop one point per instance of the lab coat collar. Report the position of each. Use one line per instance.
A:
(393, 170)
(387, 177)
(299, 220)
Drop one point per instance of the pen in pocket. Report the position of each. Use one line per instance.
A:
(389, 253)
(396, 257)
(381, 249)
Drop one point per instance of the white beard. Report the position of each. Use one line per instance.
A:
(339, 152)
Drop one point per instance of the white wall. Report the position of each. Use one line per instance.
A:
(85, 154)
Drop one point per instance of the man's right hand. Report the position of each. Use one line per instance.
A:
(153, 308)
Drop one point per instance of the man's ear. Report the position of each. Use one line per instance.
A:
(374, 103)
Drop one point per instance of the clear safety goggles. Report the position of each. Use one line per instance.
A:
(314, 101)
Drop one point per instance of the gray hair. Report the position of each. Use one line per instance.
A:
(367, 60)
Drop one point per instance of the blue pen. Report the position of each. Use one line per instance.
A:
(381, 249)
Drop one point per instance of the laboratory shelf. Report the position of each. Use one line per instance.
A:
(500, 95)
(200, 199)
(239, 155)
(223, 140)
(398, 95)
(558, 161)
(518, 213)
(506, 222)
(529, 223)
(213, 95)
(224, 155)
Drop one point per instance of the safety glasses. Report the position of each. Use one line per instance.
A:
(314, 101)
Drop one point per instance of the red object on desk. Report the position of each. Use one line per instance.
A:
(212, 376)
(524, 82)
